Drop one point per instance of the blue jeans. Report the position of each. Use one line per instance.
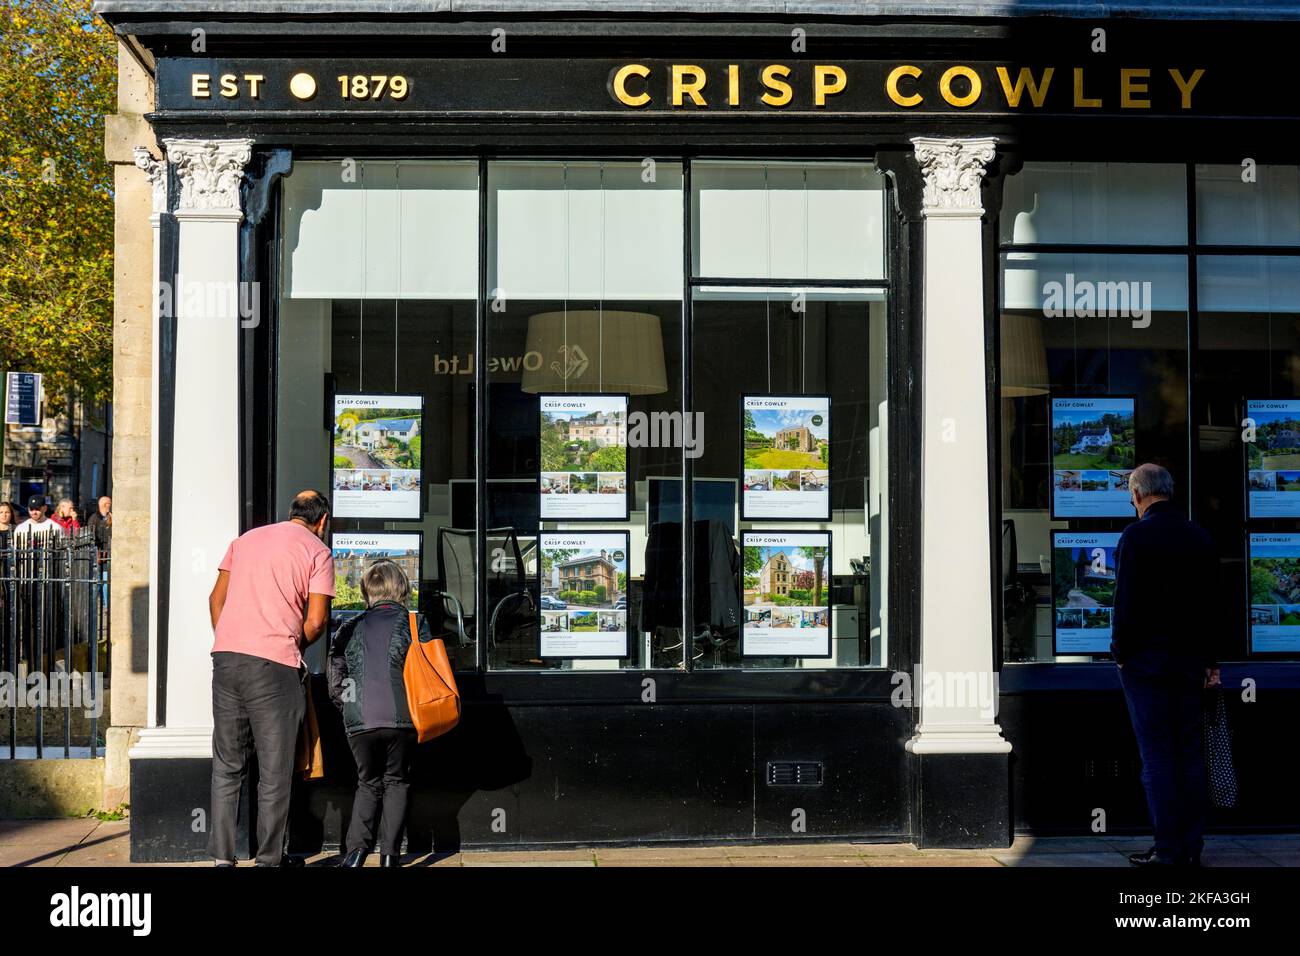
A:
(1167, 720)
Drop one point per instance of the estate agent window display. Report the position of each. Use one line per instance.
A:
(586, 292)
(1094, 305)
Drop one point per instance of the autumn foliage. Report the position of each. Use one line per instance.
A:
(58, 75)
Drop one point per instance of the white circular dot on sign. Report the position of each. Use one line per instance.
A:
(303, 86)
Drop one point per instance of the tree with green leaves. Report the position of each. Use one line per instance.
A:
(58, 79)
(818, 558)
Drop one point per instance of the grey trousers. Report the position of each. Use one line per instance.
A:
(260, 704)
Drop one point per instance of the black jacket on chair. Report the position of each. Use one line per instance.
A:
(717, 576)
(366, 658)
(1166, 595)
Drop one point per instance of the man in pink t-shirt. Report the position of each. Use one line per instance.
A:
(271, 599)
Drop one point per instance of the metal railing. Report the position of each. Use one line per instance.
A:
(54, 641)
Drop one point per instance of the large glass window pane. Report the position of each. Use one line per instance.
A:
(585, 269)
(828, 347)
(380, 276)
(787, 220)
(1261, 209)
(1248, 349)
(1081, 327)
(1095, 203)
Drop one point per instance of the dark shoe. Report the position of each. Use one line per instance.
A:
(1149, 858)
(355, 858)
(288, 861)
(389, 859)
(222, 863)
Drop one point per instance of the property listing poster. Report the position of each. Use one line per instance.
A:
(1273, 459)
(355, 552)
(1093, 453)
(583, 457)
(377, 455)
(583, 594)
(786, 593)
(1083, 591)
(1274, 562)
(786, 448)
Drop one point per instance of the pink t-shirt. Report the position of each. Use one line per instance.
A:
(272, 570)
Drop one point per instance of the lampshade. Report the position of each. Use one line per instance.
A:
(588, 350)
(1024, 357)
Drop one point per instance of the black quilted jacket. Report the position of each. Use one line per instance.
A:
(366, 658)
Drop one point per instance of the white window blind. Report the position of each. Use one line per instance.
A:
(404, 230)
(1231, 211)
(1027, 275)
(1096, 203)
(585, 231)
(788, 220)
(1252, 284)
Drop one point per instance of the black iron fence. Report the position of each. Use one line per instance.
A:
(54, 645)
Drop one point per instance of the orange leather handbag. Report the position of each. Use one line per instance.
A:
(431, 693)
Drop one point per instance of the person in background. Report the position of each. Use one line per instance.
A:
(366, 660)
(8, 516)
(37, 524)
(101, 522)
(65, 515)
(270, 600)
(1161, 641)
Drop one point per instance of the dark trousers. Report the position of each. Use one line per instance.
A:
(259, 704)
(1167, 720)
(383, 780)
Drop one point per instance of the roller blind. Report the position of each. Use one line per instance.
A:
(1026, 277)
(1096, 203)
(1258, 284)
(405, 230)
(585, 231)
(788, 220)
(1263, 210)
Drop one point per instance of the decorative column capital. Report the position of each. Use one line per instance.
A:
(953, 170)
(210, 171)
(156, 170)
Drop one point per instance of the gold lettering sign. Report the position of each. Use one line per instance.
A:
(960, 86)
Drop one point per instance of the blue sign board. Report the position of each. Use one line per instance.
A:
(23, 398)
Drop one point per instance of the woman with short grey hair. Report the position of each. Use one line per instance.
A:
(366, 659)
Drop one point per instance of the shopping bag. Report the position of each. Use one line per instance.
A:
(1219, 771)
(307, 758)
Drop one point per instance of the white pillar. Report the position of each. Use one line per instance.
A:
(956, 691)
(203, 516)
(156, 170)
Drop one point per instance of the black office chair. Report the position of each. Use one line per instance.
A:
(511, 602)
(1018, 601)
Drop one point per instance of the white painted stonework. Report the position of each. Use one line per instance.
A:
(204, 515)
(956, 585)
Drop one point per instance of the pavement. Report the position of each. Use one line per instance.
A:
(89, 842)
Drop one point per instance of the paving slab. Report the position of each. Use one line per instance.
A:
(1102, 858)
(617, 854)
(785, 850)
(67, 830)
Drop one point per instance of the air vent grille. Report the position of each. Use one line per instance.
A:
(795, 773)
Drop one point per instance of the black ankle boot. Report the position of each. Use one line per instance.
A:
(390, 859)
(355, 858)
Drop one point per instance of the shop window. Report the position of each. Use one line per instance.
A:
(585, 391)
(376, 324)
(1095, 203)
(789, 380)
(1248, 205)
(1093, 379)
(1247, 390)
(1230, 434)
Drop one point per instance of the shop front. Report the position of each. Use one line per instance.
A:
(750, 399)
